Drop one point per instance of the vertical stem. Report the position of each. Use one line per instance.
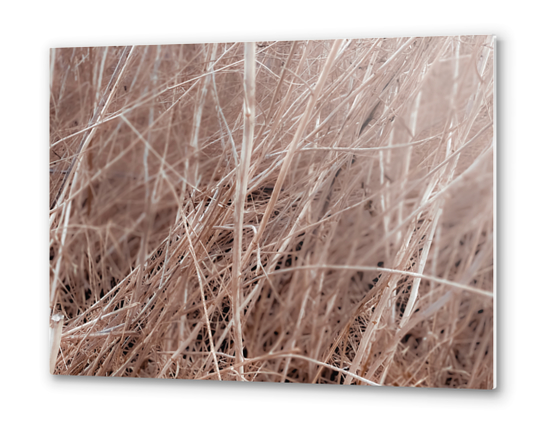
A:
(56, 335)
(240, 194)
(52, 71)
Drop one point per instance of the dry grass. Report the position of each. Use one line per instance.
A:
(319, 212)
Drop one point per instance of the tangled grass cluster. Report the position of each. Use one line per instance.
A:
(310, 211)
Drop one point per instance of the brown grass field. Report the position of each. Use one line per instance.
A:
(309, 211)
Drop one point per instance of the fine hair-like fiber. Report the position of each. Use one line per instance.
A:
(308, 211)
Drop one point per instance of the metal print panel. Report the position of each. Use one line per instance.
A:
(304, 212)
